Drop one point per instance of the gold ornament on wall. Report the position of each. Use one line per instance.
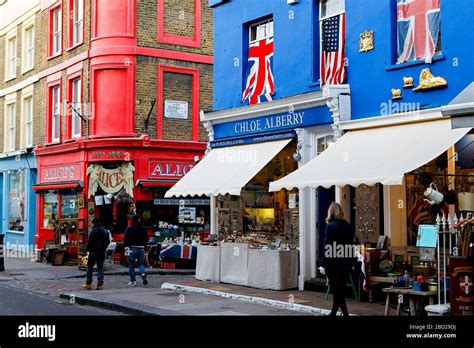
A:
(407, 82)
(366, 41)
(396, 93)
(429, 81)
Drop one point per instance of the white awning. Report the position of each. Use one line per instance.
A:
(376, 155)
(226, 170)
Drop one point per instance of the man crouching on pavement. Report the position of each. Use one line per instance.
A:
(96, 245)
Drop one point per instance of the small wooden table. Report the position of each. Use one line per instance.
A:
(413, 297)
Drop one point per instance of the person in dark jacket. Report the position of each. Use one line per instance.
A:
(96, 245)
(339, 256)
(135, 241)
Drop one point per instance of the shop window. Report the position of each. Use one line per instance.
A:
(50, 209)
(69, 205)
(11, 58)
(76, 22)
(76, 111)
(55, 31)
(28, 48)
(17, 200)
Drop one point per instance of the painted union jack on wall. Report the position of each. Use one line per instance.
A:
(418, 23)
(260, 86)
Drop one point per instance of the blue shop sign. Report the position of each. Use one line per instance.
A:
(273, 123)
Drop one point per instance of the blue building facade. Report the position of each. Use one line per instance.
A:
(376, 92)
(18, 174)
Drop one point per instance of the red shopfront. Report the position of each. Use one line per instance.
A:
(111, 179)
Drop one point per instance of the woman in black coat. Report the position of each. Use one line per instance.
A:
(339, 252)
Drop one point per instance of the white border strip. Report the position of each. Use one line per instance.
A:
(259, 300)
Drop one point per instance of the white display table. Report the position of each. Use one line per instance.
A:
(208, 263)
(240, 265)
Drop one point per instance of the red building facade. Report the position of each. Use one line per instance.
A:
(123, 83)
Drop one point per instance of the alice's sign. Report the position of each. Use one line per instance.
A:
(60, 173)
(168, 170)
(110, 180)
(273, 123)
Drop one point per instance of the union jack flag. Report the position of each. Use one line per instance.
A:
(418, 23)
(260, 85)
(333, 71)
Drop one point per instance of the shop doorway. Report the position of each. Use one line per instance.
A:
(113, 210)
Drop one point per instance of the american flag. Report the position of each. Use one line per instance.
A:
(418, 23)
(260, 85)
(333, 71)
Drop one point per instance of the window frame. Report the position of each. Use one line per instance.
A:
(336, 13)
(53, 31)
(28, 50)
(76, 17)
(265, 22)
(28, 106)
(55, 117)
(11, 61)
(77, 104)
(11, 126)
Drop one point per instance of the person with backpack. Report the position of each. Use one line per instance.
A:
(96, 245)
(135, 241)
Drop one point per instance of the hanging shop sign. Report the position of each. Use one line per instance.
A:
(111, 180)
(273, 123)
(168, 170)
(69, 172)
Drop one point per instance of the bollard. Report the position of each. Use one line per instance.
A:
(2, 259)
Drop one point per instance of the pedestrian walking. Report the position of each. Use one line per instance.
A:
(96, 245)
(338, 266)
(135, 241)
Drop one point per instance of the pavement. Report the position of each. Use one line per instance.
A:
(25, 302)
(169, 292)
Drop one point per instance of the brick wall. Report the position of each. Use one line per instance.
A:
(42, 54)
(179, 20)
(38, 128)
(44, 63)
(146, 92)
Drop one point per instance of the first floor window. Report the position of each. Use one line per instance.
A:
(50, 209)
(11, 127)
(55, 117)
(17, 200)
(76, 111)
(28, 121)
